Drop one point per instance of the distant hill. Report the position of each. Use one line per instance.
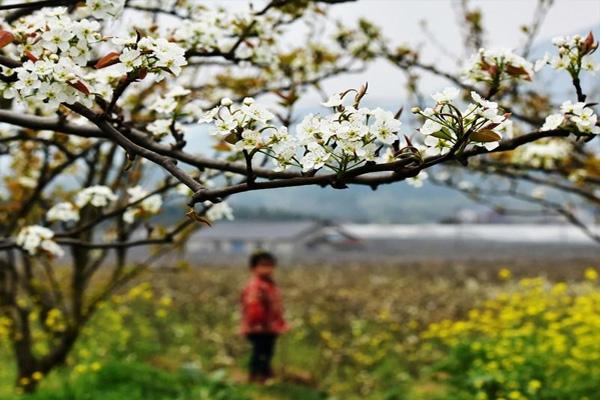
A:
(399, 203)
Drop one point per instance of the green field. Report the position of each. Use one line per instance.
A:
(359, 332)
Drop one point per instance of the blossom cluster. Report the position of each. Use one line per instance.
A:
(148, 206)
(363, 41)
(59, 49)
(100, 196)
(96, 196)
(148, 54)
(64, 212)
(304, 63)
(543, 154)
(343, 139)
(495, 66)
(574, 54)
(167, 108)
(219, 211)
(447, 127)
(104, 9)
(216, 30)
(35, 239)
(577, 116)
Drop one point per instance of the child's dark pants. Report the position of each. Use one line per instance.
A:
(263, 346)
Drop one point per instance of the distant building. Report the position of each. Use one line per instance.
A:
(281, 237)
(487, 216)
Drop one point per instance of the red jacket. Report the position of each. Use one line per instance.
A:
(262, 308)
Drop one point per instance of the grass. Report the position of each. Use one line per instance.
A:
(138, 381)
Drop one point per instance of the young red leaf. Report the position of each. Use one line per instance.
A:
(142, 72)
(80, 86)
(485, 135)
(6, 38)
(30, 56)
(222, 146)
(589, 44)
(518, 71)
(109, 59)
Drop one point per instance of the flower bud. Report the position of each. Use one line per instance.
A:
(248, 100)
(415, 110)
(226, 102)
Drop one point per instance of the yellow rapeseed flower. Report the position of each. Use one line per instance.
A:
(534, 385)
(591, 274)
(504, 274)
(37, 376)
(95, 366)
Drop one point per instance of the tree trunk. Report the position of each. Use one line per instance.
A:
(27, 364)
(26, 382)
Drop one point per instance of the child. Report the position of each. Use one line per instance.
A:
(262, 315)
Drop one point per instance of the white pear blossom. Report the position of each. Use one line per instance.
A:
(105, 9)
(572, 108)
(149, 205)
(63, 212)
(35, 239)
(385, 127)
(169, 55)
(225, 124)
(311, 128)
(251, 139)
(218, 211)
(493, 66)
(159, 128)
(28, 82)
(578, 114)
(209, 116)
(446, 126)
(446, 95)
(430, 127)
(183, 190)
(315, 158)
(483, 102)
(257, 113)
(585, 120)
(590, 65)
(552, 121)
(346, 136)
(96, 196)
(418, 180)
(547, 153)
(131, 59)
(574, 55)
(55, 39)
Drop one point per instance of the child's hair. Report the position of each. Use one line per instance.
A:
(261, 256)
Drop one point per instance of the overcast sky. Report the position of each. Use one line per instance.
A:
(401, 21)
